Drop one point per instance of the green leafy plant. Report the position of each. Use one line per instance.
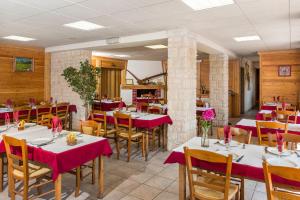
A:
(83, 81)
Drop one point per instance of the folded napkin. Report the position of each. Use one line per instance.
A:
(139, 107)
(7, 119)
(227, 134)
(279, 139)
(8, 103)
(16, 116)
(283, 105)
(55, 122)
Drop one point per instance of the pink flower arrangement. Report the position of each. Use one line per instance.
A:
(208, 115)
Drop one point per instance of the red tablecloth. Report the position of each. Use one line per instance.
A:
(246, 171)
(67, 160)
(267, 107)
(140, 123)
(72, 108)
(259, 116)
(108, 106)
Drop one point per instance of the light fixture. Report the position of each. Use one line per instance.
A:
(98, 53)
(84, 25)
(205, 4)
(247, 38)
(157, 46)
(18, 38)
(122, 56)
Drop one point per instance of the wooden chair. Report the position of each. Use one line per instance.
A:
(144, 106)
(123, 124)
(157, 130)
(207, 185)
(110, 133)
(290, 140)
(131, 108)
(40, 111)
(291, 107)
(284, 116)
(238, 134)
(21, 170)
(62, 111)
(117, 99)
(24, 112)
(267, 116)
(46, 120)
(263, 137)
(288, 173)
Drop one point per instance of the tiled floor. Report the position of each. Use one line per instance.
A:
(139, 180)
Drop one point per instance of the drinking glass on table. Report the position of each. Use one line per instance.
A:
(227, 137)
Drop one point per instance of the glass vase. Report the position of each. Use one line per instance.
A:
(204, 138)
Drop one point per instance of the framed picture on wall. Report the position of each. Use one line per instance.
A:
(284, 70)
(23, 64)
(129, 81)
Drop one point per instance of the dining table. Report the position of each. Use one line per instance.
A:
(57, 154)
(250, 125)
(147, 99)
(272, 105)
(107, 105)
(72, 109)
(144, 121)
(259, 115)
(247, 161)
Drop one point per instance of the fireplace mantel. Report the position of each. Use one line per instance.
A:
(136, 87)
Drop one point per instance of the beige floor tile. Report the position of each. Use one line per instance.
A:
(167, 196)
(249, 184)
(129, 197)
(127, 186)
(114, 195)
(153, 168)
(169, 172)
(159, 182)
(248, 194)
(145, 192)
(260, 187)
(141, 177)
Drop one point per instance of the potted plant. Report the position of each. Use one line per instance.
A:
(83, 81)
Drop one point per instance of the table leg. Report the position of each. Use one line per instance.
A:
(100, 177)
(182, 182)
(77, 181)
(147, 145)
(58, 188)
(70, 120)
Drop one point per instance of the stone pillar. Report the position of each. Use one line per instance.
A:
(218, 87)
(182, 52)
(59, 86)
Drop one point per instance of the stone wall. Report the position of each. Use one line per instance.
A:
(182, 71)
(59, 87)
(218, 83)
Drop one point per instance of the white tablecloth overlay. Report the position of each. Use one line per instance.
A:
(58, 145)
(252, 123)
(203, 108)
(253, 154)
(140, 116)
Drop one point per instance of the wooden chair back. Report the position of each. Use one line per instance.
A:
(263, 137)
(291, 107)
(62, 110)
(131, 108)
(267, 116)
(117, 99)
(42, 110)
(200, 103)
(123, 122)
(90, 127)
(154, 110)
(290, 140)
(24, 112)
(194, 174)
(16, 162)
(46, 120)
(144, 106)
(238, 134)
(287, 173)
(101, 118)
(285, 116)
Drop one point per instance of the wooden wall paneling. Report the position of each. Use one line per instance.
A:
(235, 86)
(273, 85)
(20, 86)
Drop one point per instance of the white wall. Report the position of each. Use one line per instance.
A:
(141, 69)
(250, 98)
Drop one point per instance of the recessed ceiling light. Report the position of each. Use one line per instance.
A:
(157, 46)
(247, 38)
(98, 53)
(19, 38)
(122, 56)
(205, 4)
(84, 25)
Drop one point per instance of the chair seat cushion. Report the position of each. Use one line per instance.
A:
(133, 136)
(207, 193)
(34, 171)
